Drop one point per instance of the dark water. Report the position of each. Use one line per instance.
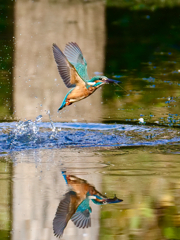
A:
(124, 141)
(6, 58)
(143, 52)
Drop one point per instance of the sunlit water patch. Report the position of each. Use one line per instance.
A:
(36, 135)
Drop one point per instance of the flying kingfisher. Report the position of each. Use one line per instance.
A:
(75, 204)
(72, 68)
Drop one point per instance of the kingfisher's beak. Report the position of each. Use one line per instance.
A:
(113, 200)
(108, 80)
(107, 200)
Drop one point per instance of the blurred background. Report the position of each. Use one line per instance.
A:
(134, 41)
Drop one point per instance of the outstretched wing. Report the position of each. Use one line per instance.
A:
(67, 207)
(81, 218)
(66, 70)
(75, 56)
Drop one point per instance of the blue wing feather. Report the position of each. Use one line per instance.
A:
(84, 205)
(75, 57)
(81, 218)
(63, 66)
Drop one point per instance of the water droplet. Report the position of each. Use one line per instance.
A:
(141, 120)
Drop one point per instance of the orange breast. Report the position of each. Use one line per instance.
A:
(79, 93)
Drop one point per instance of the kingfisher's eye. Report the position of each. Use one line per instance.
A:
(100, 78)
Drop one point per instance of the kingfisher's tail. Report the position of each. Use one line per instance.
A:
(64, 103)
(61, 107)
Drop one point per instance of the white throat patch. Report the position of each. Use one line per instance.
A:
(91, 83)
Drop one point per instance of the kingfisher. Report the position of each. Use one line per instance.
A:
(75, 204)
(72, 68)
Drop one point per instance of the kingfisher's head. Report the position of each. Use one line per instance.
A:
(97, 81)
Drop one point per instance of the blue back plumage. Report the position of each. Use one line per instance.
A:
(75, 57)
(81, 217)
(82, 70)
(84, 206)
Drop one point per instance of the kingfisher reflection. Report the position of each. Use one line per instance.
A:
(75, 204)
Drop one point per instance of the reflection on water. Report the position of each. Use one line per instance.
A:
(75, 204)
(147, 182)
(151, 208)
(37, 187)
(5, 198)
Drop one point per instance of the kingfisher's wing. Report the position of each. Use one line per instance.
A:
(67, 207)
(81, 218)
(66, 70)
(75, 56)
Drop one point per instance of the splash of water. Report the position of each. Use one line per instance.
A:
(25, 132)
(36, 134)
(53, 128)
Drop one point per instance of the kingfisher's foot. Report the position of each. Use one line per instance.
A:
(68, 103)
